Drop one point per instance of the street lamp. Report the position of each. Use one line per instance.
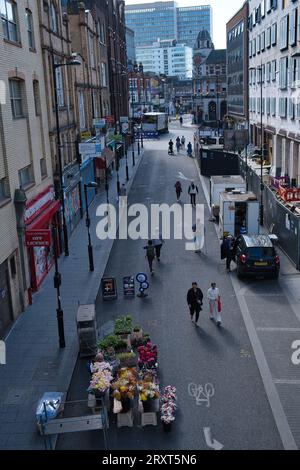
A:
(57, 285)
(106, 183)
(261, 209)
(55, 66)
(91, 185)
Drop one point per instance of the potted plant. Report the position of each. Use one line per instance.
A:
(123, 328)
(148, 392)
(101, 378)
(148, 356)
(137, 332)
(168, 407)
(124, 388)
(127, 359)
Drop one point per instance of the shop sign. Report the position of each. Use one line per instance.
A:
(37, 204)
(110, 119)
(128, 287)
(85, 135)
(38, 238)
(109, 288)
(99, 123)
(90, 148)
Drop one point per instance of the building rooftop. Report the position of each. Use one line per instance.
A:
(217, 56)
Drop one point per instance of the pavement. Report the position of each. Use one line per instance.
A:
(35, 364)
(246, 410)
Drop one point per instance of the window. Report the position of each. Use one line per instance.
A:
(26, 177)
(36, 95)
(81, 103)
(3, 190)
(268, 71)
(30, 29)
(16, 98)
(103, 74)
(284, 32)
(268, 38)
(258, 46)
(9, 17)
(292, 108)
(263, 41)
(268, 110)
(283, 107)
(273, 106)
(92, 50)
(95, 104)
(293, 28)
(13, 267)
(283, 73)
(274, 34)
(60, 87)
(273, 70)
(43, 166)
(53, 18)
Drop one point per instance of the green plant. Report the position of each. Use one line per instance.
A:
(126, 355)
(123, 325)
(136, 329)
(112, 341)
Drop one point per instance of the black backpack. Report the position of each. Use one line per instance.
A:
(150, 251)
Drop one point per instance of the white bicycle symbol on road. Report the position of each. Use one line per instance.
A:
(201, 393)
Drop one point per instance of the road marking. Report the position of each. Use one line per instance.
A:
(202, 394)
(279, 415)
(286, 382)
(211, 443)
(288, 330)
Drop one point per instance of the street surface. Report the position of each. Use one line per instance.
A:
(245, 411)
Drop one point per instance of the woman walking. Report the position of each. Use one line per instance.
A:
(178, 189)
(214, 300)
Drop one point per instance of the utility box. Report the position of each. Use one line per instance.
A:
(87, 330)
(220, 184)
(239, 214)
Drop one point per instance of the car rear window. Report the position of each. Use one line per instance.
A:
(261, 252)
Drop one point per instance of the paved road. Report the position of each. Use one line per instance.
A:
(239, 415)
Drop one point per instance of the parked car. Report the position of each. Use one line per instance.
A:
(256, 256)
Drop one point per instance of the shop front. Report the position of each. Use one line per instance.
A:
(87, 170)
(41, 214)
(73, 197)
(104, 164)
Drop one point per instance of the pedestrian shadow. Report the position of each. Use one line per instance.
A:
(229, 338)
(208, 341)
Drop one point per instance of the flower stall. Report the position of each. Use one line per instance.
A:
(125, 371)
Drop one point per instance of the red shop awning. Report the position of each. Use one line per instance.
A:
(45, 217)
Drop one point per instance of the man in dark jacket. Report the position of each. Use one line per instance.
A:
(227, 251)
(195, 300)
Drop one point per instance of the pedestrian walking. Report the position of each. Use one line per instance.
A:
(189, 149)
(227, 251)
(193, 191)
(178, 189)
(195, 301)
(183, 141)
(150, 255)
(158, 243)
(215, 306)
(178, 144)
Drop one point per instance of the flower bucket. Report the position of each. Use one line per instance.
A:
(167, 427)
(126, 405)
(147, 405)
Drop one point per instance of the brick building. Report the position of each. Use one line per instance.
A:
(25, 157)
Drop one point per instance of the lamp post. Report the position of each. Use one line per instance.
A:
(141, 71)
(91, 185)
(20, 200)
(59, 147)
(106, 183)
(57, 286)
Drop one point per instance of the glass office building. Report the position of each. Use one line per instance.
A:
(166, 21)
(152, 21)
(191, 20)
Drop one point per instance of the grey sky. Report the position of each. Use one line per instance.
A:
(222, 11)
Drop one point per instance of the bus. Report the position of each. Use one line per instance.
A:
(154, 124)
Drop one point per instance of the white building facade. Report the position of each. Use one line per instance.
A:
(167, 58)
(274, 74)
